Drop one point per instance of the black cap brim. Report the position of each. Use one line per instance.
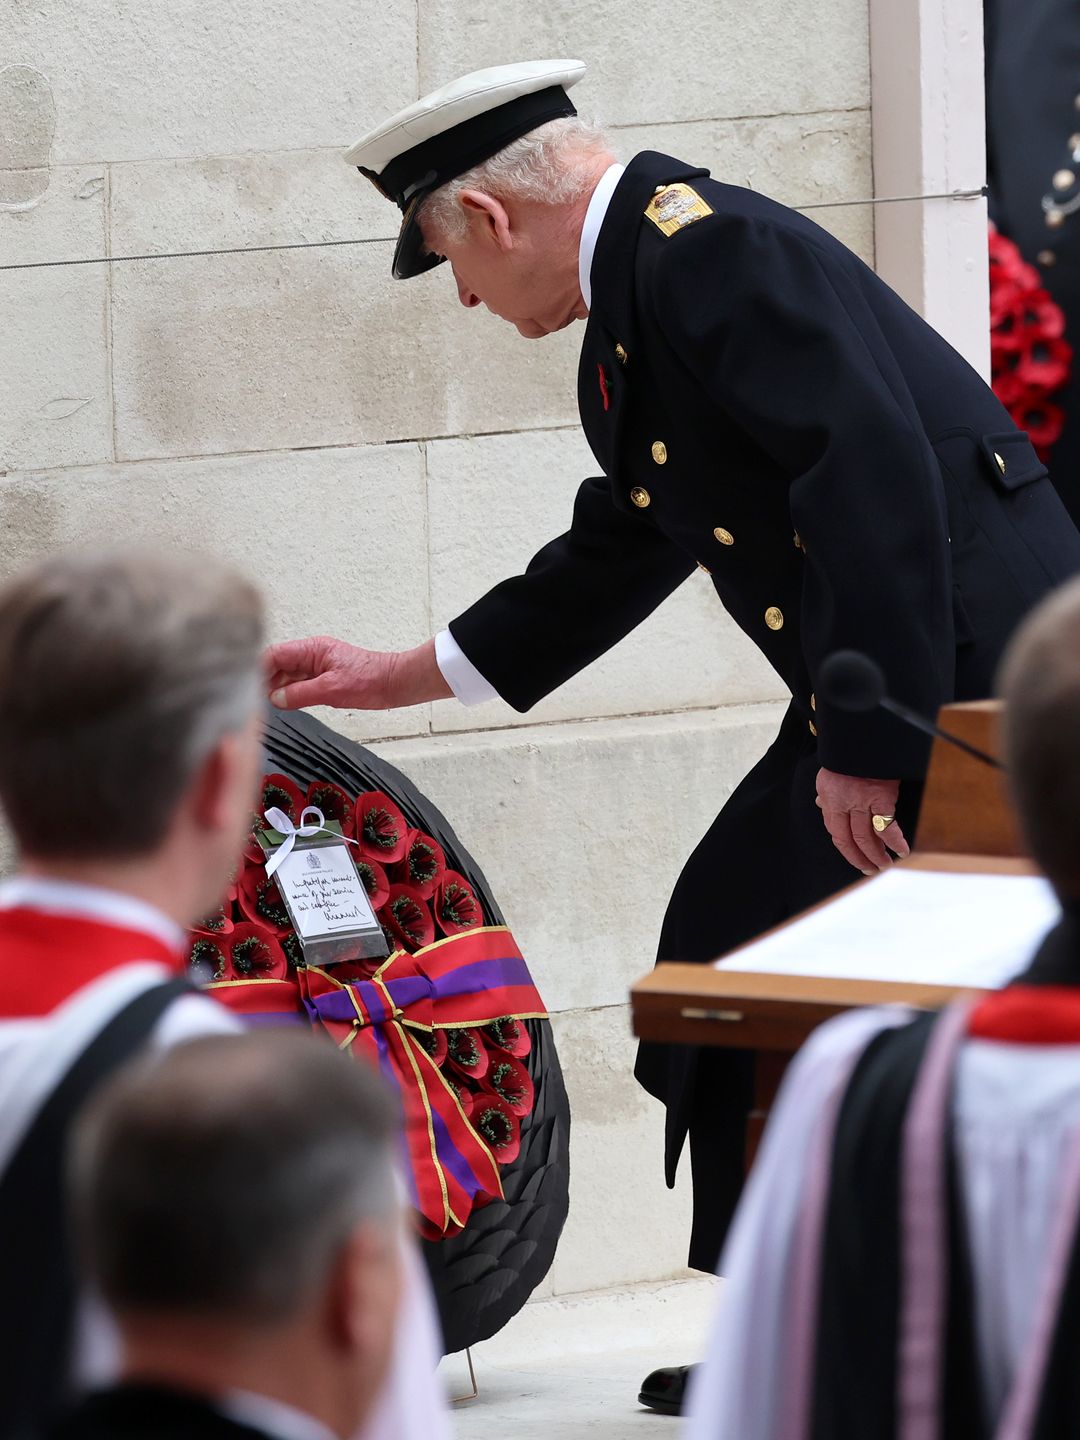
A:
(411, 257)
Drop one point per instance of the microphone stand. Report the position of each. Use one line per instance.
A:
(911, 717)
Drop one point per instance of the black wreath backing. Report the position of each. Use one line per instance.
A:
(483, 1276)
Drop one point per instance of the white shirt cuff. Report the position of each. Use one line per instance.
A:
(460, 673)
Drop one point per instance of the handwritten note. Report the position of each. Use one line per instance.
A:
(324, 893)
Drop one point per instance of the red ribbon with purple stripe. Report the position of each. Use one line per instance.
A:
(465, 982)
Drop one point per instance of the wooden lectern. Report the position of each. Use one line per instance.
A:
(966, 824)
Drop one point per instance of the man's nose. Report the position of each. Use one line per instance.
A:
(466, 296)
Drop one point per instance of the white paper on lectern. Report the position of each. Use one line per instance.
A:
(925, 927)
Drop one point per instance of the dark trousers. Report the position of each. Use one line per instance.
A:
(766, 857)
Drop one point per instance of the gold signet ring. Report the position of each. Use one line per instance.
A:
(882, 822)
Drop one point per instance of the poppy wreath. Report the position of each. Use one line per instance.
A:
(1030, 359)
(451, 1018)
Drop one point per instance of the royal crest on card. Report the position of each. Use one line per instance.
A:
(674, 207)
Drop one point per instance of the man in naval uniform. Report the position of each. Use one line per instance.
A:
(762, 405)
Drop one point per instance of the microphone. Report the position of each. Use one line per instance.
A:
(851, 681)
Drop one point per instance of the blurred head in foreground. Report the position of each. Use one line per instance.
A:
(235, 1204)
(129, 720)
(1040, 684)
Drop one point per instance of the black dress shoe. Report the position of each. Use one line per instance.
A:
(664, 1390)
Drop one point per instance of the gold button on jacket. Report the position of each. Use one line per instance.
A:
(724, 536)
(774, 618)
(659, 452)
(1000, 462)
(620, 354)
(813, 727)
(640, 497)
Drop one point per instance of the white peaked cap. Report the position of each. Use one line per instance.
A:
(451, 130)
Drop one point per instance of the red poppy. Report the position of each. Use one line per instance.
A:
(279, 790)
(293, 951)
(1045, 364)
(498, 1127)
(207, 960)
(510, 1035)
(508, 1078)
(260, 900)
(255, 954)
(424, 864)
(1007, 264)
(219, 921)
(467, 1053)
(465, 1097)
(375, 881)
(380, 828)
(434, 1042)
(408, 918)
(1044, 422)
(334, 804)
(456, 905)
(1030, 361)
(1043, 315)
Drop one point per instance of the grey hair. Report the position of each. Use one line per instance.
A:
(119, 670)
(224, 1177)
(553, 163)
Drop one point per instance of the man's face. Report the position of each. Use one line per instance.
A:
(533, 285)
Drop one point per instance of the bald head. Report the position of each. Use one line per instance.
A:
(1040, 684)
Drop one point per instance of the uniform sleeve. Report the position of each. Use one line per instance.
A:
(578, 596)
(791, 350)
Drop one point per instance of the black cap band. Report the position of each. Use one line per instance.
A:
(444, 157)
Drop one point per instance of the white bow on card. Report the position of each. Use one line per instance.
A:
(284, 826)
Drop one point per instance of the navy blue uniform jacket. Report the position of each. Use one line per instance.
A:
(763, 405)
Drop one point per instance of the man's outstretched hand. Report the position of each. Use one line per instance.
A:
(324, 671)
(848, 804)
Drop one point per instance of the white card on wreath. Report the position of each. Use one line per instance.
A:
(324, 892)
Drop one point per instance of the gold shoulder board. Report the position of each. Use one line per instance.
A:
(673, 207)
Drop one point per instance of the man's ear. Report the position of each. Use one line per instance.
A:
(489, 216)
(356, 1309)
(226, 779)
(210, 786)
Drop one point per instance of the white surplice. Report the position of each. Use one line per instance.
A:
(1015, 1109)
(34, 1055)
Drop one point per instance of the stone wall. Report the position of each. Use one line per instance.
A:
(374, 454)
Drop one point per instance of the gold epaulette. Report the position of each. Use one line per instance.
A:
(673, 207)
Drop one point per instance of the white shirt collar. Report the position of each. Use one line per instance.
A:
(89, 902)
(590, 231)
(272, 1417)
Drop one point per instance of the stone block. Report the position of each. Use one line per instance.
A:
(330, 536)
(137, 82)
(624, 1224)
(800, 160)
(294, 197)
(493, 501)
(316, 348)
(652, 61)
(582, 829)
(55, 406)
